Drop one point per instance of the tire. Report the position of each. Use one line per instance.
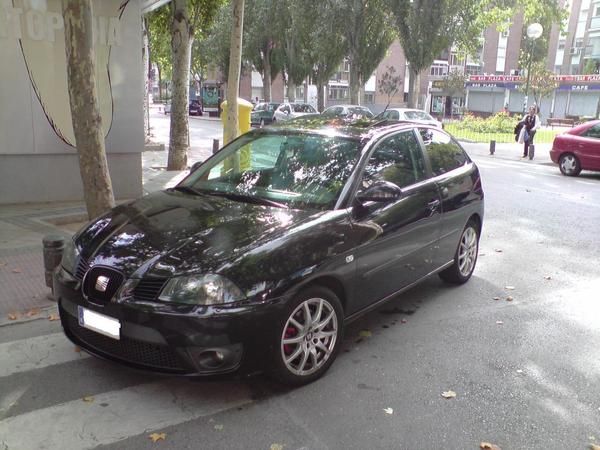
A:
(302, 355)
(465, 257)
(569, 165)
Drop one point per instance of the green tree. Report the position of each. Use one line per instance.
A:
(158, 41)
(188, 19)
(263, 45)
(542, 82)
(453, 85)
(328, 47)
(369, 33)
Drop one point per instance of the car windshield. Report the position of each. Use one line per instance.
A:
(301, 108)
(417, 115)
(300, 171)
(360, 112)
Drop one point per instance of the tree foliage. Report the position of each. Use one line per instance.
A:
(542, 82)
(369, 33)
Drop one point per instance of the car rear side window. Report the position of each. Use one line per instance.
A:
(397, 159)
(444, 154)
(592, 132)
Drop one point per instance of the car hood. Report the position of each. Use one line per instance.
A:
(173, 233)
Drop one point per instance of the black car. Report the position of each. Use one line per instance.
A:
(195, 108)
(265, 251)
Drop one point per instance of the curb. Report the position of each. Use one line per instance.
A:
(44, 314)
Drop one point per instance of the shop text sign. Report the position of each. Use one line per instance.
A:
(518, 79)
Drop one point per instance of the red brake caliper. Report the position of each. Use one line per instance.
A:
(290, 332)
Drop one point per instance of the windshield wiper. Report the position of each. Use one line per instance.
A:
(246, 198)
(187, 189)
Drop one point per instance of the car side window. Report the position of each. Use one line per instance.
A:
(592, 132)
(444, 154)
(397, 159)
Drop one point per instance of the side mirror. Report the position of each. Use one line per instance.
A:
(380, 192)
(195, 166)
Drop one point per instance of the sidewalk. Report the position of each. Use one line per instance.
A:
(23, 290)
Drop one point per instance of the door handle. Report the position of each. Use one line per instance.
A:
(433, 204)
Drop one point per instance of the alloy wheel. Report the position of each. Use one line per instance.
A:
(309, 336)
(568, 164)
(467, 251)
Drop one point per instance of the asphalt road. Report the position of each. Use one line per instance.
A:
(526, 372)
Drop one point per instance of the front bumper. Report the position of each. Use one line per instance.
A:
(173, 339)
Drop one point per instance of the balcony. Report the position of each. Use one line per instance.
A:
(595, 23)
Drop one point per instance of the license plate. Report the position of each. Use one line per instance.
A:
(99, 323)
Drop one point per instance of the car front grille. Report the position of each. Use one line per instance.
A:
(129, 350)
(82, 268)
(148, 289)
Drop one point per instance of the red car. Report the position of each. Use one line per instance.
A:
(578, 149)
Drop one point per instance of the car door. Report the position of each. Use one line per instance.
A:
(456, 177)
(403, 233)
(588, 148)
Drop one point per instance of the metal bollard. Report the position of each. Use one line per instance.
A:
(215, 146)
(54, 245)
(531, 151)
(492, 147)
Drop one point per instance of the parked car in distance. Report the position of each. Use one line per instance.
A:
(412, 115)
(195, 108)
(262, 114)
(287, 111)
(577, 149)
(347, 112)
(259, 262)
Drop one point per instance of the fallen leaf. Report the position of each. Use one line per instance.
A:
(32, 312)
(498, 250)
(388, 410)
(13, 316)
(509, 288)
(155, 437)
(218, 427)
(496, 298)
(77, 348)
(365, 333)
(499, 322)
(88, 399)
(53, 317)
(509, 299)
(276, 447)
(594, 447)
(488, 446)
(17, 271)
(449, 394)
(547, 277)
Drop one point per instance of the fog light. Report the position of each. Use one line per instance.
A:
(217, 358)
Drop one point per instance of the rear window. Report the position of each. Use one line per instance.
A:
(444, 154)
(303, 108)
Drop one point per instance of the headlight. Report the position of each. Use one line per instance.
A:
(69, 256)
(207, 289)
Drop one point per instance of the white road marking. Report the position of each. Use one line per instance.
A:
(117, 415)
(36, 353)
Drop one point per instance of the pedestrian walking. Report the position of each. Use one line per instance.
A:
(531, 122)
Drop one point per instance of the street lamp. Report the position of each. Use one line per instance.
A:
(534, 31)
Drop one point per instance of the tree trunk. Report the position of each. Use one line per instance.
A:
(181, 46)
(354, 84)
(291, 91)
(320, 100)
(413, 88)
(233, 81)
(83, 97)
(160, 94)
(146, 78)
(267, 81)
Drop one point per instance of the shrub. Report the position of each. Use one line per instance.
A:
(498, 123)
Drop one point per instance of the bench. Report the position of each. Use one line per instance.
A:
(560, 122)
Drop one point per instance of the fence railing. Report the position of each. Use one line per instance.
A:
(542, 136)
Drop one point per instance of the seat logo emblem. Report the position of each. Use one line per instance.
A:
(101, 283)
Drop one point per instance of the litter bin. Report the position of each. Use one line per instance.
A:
(244, 110)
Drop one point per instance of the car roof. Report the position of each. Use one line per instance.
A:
(406, 110)
(358, 129)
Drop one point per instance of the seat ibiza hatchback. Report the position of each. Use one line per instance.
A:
(265, 251)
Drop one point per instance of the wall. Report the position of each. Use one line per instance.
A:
(38, 160)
